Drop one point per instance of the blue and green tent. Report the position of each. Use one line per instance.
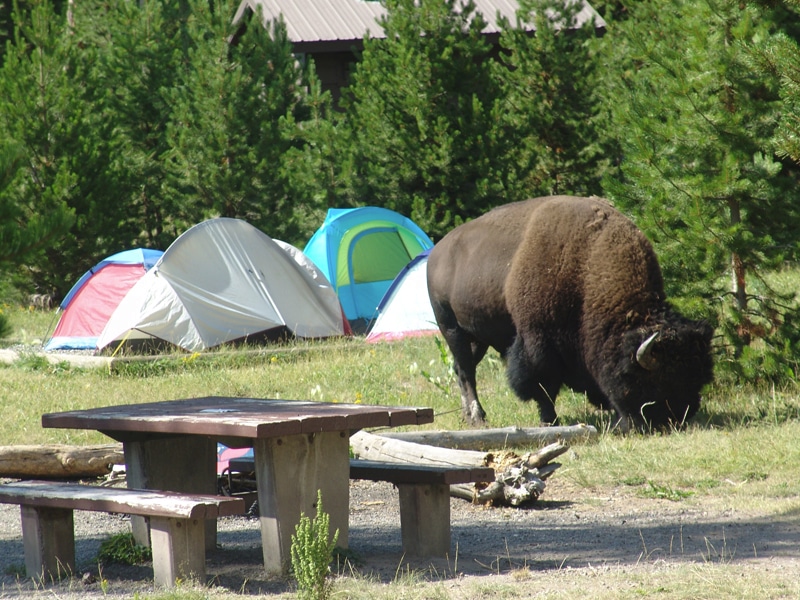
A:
(361, 251)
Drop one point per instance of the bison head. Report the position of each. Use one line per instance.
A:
(662, 373)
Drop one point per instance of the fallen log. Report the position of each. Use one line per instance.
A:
(518, 479)
(59, 461)
(486, 439)
(379, 447)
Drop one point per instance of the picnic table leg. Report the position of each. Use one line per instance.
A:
(289, 471)
(178, 464)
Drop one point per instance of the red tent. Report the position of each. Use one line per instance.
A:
(89, 304)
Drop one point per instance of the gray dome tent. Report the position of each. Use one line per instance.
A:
(221, 281)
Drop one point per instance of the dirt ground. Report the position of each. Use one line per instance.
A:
(569, 527)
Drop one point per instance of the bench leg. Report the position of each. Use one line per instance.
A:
(48, 536)
(425, 519)
(179, 551)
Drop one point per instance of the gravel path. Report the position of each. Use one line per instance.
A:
(568, 528)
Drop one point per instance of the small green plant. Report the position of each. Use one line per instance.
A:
(31, 361)
(664, 492)
(102, 579)
(123, 549)
(312, 553)
(634, 480)
(442, 382)
(15, 570)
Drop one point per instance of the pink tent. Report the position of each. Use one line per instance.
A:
(91, 301)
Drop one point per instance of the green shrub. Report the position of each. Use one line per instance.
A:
(312, 554)
(5, 327)
(123, 549)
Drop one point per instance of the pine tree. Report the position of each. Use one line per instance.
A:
(228, 127)
(138, 47)
(319, 170)
(41, 117)
(551, 102)
(779, 54)
(22, 230)
(696, 122)
(421, 113)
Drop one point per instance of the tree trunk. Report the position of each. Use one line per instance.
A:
(487, 439)
(739, 284)
(377, 447)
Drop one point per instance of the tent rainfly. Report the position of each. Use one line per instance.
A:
(87, 307)
(222, 281)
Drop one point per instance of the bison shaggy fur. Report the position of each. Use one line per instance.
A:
(569, 292)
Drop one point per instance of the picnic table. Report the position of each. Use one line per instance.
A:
(299, 447)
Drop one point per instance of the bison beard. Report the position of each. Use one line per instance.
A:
(569, 292)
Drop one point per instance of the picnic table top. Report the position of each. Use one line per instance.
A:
(220, 416)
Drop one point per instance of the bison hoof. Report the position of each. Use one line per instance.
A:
(476, 416)
(476, 422)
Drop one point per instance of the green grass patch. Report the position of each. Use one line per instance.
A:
(17, 570)
(663, 492)
(28, 326)
(740, 451)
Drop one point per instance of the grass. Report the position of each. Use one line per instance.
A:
(741, 450)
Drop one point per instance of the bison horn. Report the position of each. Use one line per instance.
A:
(644, 353)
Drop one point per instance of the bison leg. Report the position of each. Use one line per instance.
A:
(533, 375)
(467, 353)
(465, 367)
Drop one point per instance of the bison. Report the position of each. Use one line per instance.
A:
(569, 292)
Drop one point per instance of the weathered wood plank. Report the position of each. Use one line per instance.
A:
(428, 474)
(48, 539)
(425, 519)
(368, 446)
(119, 500)
(395, 472)
(189, 469)
(518, 479)
(253, 418)
(178, 550)
(492, 439)
(289, 472)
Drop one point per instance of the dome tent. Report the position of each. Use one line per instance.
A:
(405, 310)
(87, 307)
(222, 281)
(361, 251)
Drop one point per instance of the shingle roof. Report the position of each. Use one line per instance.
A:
(342, 22)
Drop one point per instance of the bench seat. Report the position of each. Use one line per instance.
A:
(177, 525)
(424, 497)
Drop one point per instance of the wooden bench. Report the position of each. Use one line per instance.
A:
(177, 525)
(424, 497)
